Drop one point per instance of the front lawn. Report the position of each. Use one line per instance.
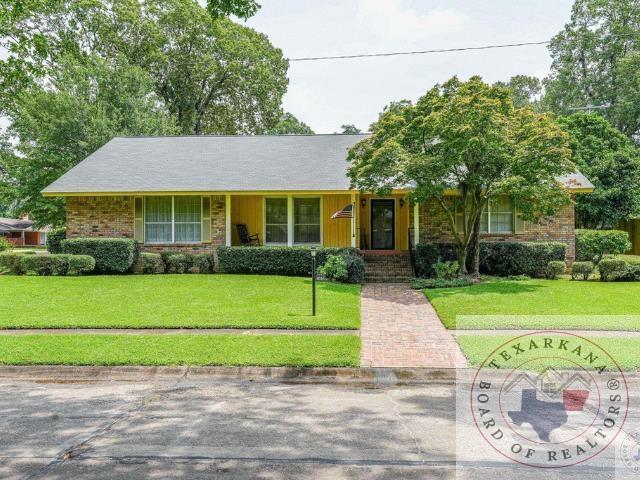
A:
(625, 351)
(577, 305)
(261, 350)
(173, 301)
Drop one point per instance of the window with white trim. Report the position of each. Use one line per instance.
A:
(276, 220)
(497, 217)
(173, 219)
(306, 220)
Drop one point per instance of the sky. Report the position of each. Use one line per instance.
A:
(327, 94)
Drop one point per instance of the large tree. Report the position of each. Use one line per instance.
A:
(590, 65)
(467, 138)
(611, 161)
(350, 129)
(290, 125)
(214, 75)
(525, 90)
(54, 127)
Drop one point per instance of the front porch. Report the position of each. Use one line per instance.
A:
(378, 225)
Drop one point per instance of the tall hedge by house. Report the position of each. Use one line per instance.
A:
(4, 244)
(54, 240)
(291, 261)
(112, 255)
(593, 245)
(496, 258)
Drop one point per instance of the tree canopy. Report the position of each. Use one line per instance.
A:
(240, 8)
(56, 126)
(467, 138)
(610, 160)
(350, 129)
(595, 62)
(289, 124)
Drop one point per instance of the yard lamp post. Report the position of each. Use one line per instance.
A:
(314, 251)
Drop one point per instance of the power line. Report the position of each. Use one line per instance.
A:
(417, 52)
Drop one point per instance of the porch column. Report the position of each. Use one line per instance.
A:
(227, 220)
(290, 220)
(416, 223)
(353, 220)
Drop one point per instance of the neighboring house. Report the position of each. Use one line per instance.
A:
(189, 192)
(21, 232)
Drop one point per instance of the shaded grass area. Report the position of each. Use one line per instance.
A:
(173, 301)
(260, 350)
(625, 351)
(589, 305)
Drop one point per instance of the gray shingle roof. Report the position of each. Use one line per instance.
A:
(212, 163)
(221, 164)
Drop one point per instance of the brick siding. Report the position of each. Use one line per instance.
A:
(434, 227)
(114, 217)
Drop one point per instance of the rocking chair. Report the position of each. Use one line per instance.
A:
(245, 238)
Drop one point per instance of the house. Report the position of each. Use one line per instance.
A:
(21, 232)
(189, 192)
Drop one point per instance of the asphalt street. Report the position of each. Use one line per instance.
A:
(242, 429)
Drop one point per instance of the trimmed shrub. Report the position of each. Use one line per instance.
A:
(428, 254)
(612, 269)
(151, 263)
(291, 261)
(54, 240)
(354, 264)
(593, 245)
(10, 261)
(334, 269)
(80, 264)
(556, 268)
(584, 269)
(519, 258)
(446, 270)
(203, 262)
(179, 263)
(45, 265)
(4, 244)
(112, 255)
(501, 259)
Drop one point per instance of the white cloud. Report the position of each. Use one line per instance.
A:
(397, 20)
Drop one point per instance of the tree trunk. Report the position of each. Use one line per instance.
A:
(461, 253)
(474, 248)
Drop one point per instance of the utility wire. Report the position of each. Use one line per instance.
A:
(417, 52)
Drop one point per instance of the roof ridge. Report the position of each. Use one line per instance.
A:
(249, 136)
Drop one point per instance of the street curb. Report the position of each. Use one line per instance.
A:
(349, 376)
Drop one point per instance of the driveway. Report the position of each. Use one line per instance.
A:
(236, 429)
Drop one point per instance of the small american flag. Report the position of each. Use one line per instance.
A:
(346, 212)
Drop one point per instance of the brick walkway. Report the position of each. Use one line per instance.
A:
(400, 328)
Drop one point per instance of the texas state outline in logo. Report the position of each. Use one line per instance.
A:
(549, 399)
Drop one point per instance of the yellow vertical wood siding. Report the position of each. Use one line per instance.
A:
(247, 209)
(336, 233)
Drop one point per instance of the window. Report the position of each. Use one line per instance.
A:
(173, 219)
(497, 217)
(275, 215)
(306, 223)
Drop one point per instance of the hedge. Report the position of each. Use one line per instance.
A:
(624, 268)
(56, 264)
(501, 259)
(112, 255)
(10, 261)
(593, 245)
(291, 261)
(4, 244)
(151, 263)
(54, 240)
(185, 262)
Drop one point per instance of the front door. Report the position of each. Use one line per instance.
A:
(383, 221)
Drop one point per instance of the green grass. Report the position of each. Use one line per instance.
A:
(625, 351)
(262, 350)
(167, 301)
(577, 305)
